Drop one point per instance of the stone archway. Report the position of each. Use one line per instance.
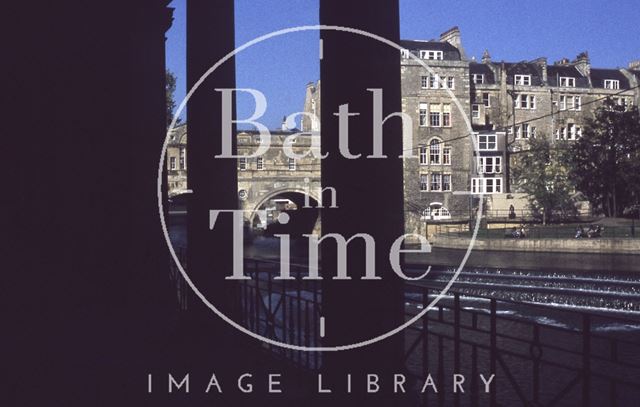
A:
(303, 219)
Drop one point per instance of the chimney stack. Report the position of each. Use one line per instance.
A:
(452, 36)
(582, 63)
(634, 65)
(542, 63)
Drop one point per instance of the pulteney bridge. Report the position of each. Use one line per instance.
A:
(261, 180)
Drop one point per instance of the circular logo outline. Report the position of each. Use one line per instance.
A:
(185, 275)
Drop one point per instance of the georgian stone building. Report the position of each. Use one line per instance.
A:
(177, 161)
(470, 119)
(507, 103)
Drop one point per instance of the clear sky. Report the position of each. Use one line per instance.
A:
(511, 30)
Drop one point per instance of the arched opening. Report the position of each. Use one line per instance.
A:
(435, 211)
(264, 224)
(301, 214)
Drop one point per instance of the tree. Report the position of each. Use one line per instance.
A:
(170, 90)
(606, 159)
(541, 172)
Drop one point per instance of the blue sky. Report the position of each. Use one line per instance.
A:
(511, 30)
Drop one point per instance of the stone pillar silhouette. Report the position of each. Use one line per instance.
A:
(210, 36)
(370, 194)
(92, 294)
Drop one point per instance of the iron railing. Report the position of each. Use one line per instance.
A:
(504, 230)
(541, 355)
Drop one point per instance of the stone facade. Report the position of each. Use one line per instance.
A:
(442, 140)
(259, 178)
(177, 161)
(274, 173)
(469, 120)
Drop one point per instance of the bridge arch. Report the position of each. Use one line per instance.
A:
(309, 216)
(282, 191)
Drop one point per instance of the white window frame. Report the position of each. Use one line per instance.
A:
(577, 103)
(446, 155)
(440, 213)
(572, 131)
(423, 155)
(490, 165)
(435, 151)
(526, 101)
(172, 163)
(611, 84)
(446, 115)
(260, 163)
(183, 158)
(567, 82)
(482, 185)
(404, 53)
(435, 117)
(431, 55)
(424, 183)
(423, 114)
(487, 142)
(292, 164)
(563, 102)
(448, 188)
(242, 163)
(525, 131)
(486, 101)
(475, 111)
(433, 82)
(424, 82)
(626, 103)
(451, 82)
(478, 78)
(522, 80)
(435, 182)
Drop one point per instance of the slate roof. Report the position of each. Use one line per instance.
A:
(524, 68)
(598, 77)
(555, 72)
(476, 68)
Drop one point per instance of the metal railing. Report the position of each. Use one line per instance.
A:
(504, 230)
(286, 311)
(541, 355)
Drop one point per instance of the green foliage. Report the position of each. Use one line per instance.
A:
(170, 87)
(541, 172)
(605, 161)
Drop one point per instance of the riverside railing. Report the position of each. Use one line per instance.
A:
(541, 355)
(502, 231)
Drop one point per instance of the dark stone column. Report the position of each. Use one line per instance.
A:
(89, 287)
(369, 191)
(210, 36)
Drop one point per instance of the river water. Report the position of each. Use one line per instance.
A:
(543, 297)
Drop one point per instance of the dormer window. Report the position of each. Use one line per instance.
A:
(433, 55)
(611, 84)
(524, 80)
(478, 78)
(404, 53)
(567, 82)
